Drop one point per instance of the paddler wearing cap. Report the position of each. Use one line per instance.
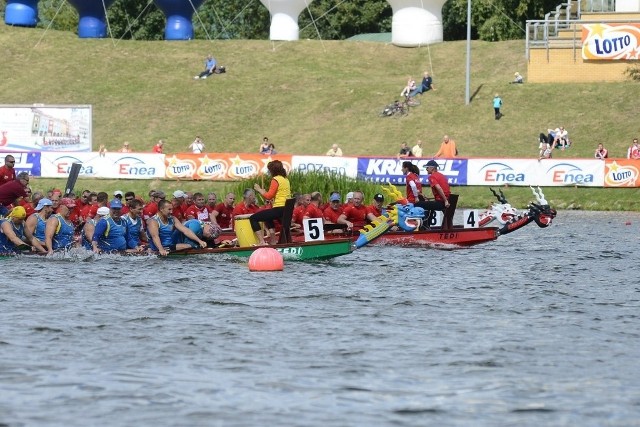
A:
(89, 227)
(12, 231)
(439, 188)
(111, 231)
(35, 225)
(60, 231)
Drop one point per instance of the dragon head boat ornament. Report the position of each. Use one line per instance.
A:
(509, 218)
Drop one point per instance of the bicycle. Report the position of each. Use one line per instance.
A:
(397, 108)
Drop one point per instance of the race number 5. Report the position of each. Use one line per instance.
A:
(313, 229)
(471, 218)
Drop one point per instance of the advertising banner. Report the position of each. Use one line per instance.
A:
(548, 172)
(607, 42)
(25, 162)
(45, 128)
(109, 165)
(219, 166)
(622, 173)
(347, 166)
(390, 169)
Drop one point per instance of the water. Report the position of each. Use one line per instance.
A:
(537, 328)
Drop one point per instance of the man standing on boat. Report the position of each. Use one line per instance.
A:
(439, 188)
(13, 190)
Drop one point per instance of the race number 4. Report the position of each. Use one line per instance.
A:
(471, 218)
(313, 229)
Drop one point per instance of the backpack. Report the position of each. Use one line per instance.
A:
(221, 69)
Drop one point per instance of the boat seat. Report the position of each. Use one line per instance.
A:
(447, 221)
(285, 221)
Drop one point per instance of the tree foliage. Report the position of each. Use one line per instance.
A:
(491, 20)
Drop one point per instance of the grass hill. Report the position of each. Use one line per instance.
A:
(307, 95)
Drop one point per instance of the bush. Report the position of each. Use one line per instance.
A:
(633, 72)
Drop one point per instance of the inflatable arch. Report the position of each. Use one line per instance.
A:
(414, 23)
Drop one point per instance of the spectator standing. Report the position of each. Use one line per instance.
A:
(7, 171)
(334, 151)
(158, 147)
(417, 149)
(497, 104)
(634, 151)
(405, 151)
(601, 152)
(447, 149)
(125, 148)
(197, 146)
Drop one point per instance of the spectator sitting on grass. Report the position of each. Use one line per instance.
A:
(209, 68)
(601, 152)
(427, 85)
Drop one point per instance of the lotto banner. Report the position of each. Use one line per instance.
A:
(547, 172)
(390, 169)
(45, 128)
(110, 165)
(607, 42)
(220, 166)
(622, 173)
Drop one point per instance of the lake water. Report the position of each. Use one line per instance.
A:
(539, 328)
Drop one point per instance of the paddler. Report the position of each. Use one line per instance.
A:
(160, 229)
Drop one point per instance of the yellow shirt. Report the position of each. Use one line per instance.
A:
(283, 193)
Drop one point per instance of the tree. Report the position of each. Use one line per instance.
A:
(338, 20)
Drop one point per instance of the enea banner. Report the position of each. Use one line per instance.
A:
(608, 42)
(622, 173)
(45, 128)
(109, 165)
(390, 169)
(219, 166)
(347, 166)
(547, 172)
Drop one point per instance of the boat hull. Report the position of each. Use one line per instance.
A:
(455, 237)
(296, 251)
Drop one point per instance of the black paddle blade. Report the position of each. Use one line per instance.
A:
(73, 177)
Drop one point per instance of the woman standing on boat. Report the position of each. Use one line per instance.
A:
(279, 192)
(414, 186)
(439, 188)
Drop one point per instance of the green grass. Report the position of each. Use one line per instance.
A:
(307, 95)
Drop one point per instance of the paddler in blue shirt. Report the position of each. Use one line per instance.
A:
(204, 230)
(60, 231)
(160, 229)
(111, 231)
(12, 230)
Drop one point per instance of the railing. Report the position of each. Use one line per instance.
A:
(544, 33)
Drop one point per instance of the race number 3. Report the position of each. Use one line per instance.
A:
(435, 219)
(471, 218)
(313, 229)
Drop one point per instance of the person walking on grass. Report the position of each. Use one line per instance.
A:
(497, 104)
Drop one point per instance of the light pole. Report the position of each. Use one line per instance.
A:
(467, 93)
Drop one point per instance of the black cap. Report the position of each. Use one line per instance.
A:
(432, 163)
(378, 198)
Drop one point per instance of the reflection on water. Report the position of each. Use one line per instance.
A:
(537, 328)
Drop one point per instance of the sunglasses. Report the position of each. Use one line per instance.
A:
(128, 199)
(10, 161)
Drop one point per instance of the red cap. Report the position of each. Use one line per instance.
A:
(68, 202)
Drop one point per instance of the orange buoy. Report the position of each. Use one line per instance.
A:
(266, 259)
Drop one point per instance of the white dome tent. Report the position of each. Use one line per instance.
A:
(284, 18)
(416, 22)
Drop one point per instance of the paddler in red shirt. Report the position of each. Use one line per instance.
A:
(334, 210)
(313, 210)
(223, 212)
(355, 216)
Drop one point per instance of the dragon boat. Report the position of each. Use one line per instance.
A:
(406, 223)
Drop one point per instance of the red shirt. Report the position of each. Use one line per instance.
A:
(88, 211)
(224, 215)
(10, 191)
(357, 215)
(7, 174)
(149, 210)
(438, 178)
(298, 214)
(193, 212)
(157, 149)
(313, 212)
(373, 209)
(332, 215)
(28, 207)
(179, 210)
(412, 177)
(242, 209)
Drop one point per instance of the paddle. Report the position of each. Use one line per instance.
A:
(73, 177)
